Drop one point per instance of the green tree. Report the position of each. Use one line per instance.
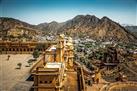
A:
(19, 65)
(36, 54)
(40, 46)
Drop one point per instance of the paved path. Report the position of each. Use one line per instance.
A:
(71, 83)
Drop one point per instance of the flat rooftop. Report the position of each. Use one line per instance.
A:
(54, 65)
(51, 48)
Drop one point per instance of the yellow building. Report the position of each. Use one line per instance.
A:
(22, 47)
(53, 74)
(50, 77)
(62, 52)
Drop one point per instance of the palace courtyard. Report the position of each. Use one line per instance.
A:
(11, 77)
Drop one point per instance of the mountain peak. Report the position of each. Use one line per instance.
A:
(53, 22)
(86, 20)
(85, 16)
(105, 18)
(90, 16)
(81, 26)
(78, 17)
(98, 29)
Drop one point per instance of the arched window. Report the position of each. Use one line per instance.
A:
(40, 82)
(31, 49)
(3, 49)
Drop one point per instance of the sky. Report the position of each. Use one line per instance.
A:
(40, 11)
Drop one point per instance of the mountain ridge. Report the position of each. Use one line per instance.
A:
(83, 26)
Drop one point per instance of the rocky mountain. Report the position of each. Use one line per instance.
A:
(132, 29)
(85, 26)
(51, 27)
(42, 26)
(12, 28)
(95, 28)
(92, 27)
(80, 23)
(8, 23)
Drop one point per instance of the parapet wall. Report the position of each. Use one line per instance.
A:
(112, 86)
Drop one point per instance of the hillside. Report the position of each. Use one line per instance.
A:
(90, 26)
(51, 27)
(14, 29)
(81, 26)
(98, 29)
(132, 29)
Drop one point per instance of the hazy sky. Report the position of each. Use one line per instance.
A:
(39, 11)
